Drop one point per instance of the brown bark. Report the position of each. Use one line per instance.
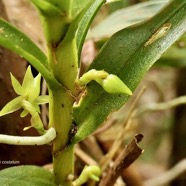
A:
(12, 124)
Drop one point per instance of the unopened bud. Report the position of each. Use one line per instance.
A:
(114, 85)
(110, 82)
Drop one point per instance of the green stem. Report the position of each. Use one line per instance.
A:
(60, 115)
(63, 164)
(51, 57)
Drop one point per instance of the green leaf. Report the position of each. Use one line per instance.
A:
(13, 39)
(85, 22)
(11, 106)
(125, 17)
(175, 56)
(26, 175)
(128, 54)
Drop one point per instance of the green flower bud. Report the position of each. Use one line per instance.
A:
(110, 83)
(113, 85)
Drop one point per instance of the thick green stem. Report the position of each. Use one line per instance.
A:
(63, 163)
(60, 115)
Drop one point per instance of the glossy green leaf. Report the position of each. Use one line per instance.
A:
(26, 175)
(177, 50)
(11, 106)
(86, 20)
(12, 38)
(129, 54)
(15, 40)
(175, 56)
(125, 17)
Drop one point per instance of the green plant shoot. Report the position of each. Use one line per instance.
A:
(109, 81)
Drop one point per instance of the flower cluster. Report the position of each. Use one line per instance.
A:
(28, 99)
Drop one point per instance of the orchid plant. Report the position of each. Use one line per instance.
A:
(82, 102)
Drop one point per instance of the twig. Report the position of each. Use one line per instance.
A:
(129, 154)
(160, 106)
(168, 176)
(29, 140)
(84, 157)
(86, 145)
(105, 127)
